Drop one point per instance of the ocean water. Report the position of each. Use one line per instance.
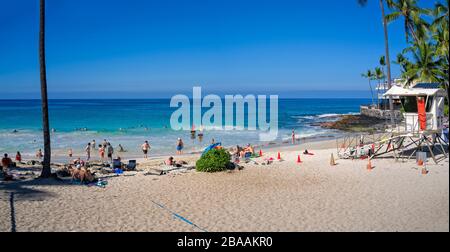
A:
(130, 122)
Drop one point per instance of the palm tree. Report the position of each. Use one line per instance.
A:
(383, 66)
(46, 171)
(411, 13)
(426, 66)
(379, 75)
(440, 34)
(403, 62)
(386, 47)
(370, 76)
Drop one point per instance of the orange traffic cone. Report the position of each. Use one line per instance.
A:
(260, 152)
(298, 159)
(332, 162)
(279, 156)
(369, 165)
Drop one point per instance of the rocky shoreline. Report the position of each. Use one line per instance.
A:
(355, 123)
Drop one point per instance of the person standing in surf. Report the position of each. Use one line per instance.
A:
(293, 136)
(180, 146)
(145, 147)
(88, 151)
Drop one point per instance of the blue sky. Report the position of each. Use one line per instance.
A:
(124, 49)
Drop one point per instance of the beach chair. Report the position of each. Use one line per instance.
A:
(131, 166)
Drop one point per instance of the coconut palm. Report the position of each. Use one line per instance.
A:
(379, 76)
(404, 64)
(440, 35)
(370, 76)
(426, 65)
(46, 171)
(383, 67)
(386, 39)
(386, 46)
(412, 15)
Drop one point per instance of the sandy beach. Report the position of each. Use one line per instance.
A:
(283, 196)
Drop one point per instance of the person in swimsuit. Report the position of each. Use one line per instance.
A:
(18, 157)
(293, 136)
(101, 152)
(110, 151)
(70, 152)
(180, 146)
(88, 151)
(145, 147)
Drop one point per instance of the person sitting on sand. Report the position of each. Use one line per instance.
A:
(18, 157)
(6, 162)
(169, 161)
(246, 152)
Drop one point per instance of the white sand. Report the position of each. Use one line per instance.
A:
(284, 196)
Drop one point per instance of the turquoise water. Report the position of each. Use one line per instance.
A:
(130, 122)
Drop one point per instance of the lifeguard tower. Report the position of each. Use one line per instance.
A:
(421, 128)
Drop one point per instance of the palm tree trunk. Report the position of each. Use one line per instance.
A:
(388, 61)
(371, 91)
(378, 94)
(46, 171)
(413, 33)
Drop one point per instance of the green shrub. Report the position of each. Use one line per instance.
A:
(446, 110)
(213, 161)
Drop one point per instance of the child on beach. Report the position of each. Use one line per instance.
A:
(18, 157)
(180, 146)
(101, 152)
(145, 147)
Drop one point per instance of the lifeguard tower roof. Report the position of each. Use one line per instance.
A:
(420, 89)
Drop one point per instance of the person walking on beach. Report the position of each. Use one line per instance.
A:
(145, 147)
(180, 146)
(93, 144)
(104, 144)
(110, 151)
(293, 136)
(101, 152)
(88, 151)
